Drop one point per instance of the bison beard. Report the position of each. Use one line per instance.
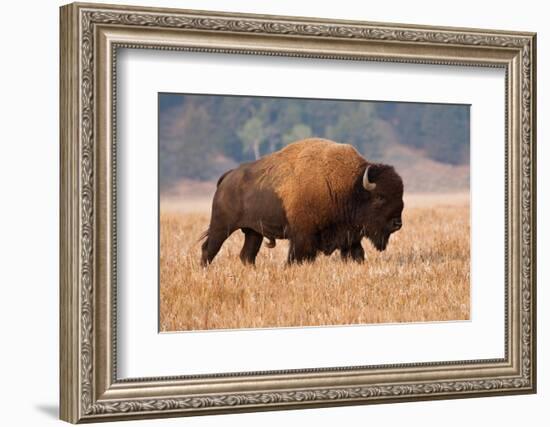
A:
(320, 195)
(380, 240)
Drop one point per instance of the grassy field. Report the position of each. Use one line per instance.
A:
(424, 275)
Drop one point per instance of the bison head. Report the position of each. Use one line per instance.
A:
(381, 193)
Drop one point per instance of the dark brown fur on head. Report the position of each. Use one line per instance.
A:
(380, 213)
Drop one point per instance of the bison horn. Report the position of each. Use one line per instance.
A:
(369, 186)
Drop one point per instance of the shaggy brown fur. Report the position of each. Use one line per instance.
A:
(310, 192)
(307, 174)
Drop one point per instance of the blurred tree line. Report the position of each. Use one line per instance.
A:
(201, 136)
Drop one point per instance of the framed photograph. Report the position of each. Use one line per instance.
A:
(266, 212)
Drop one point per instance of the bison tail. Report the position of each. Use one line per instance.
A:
(204, 235)
(222, 177)
(271, 243)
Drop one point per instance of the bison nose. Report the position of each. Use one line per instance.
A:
(397, 224)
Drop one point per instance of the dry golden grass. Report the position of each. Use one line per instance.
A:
(424, 275)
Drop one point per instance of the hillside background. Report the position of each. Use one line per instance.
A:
(202, 136)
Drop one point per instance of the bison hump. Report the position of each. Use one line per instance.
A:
(313, 177)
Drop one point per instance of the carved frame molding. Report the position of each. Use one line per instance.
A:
(90, 37)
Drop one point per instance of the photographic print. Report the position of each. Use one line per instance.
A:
(289, 212)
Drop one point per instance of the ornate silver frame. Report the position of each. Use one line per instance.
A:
(90, 36)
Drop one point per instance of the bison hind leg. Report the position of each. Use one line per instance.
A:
(252, 243)
(213, 243)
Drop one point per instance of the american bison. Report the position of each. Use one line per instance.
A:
(318, 194)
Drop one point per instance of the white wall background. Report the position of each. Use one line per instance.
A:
(29, 171)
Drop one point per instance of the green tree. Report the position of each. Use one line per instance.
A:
(252, 134)
(202, 136)
(445, 133)
(185, 149)
(359, 128)
(441, 131)
(298, 131)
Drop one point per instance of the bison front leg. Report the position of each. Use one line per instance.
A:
(302, 249)
(355, 252)
(252, 244)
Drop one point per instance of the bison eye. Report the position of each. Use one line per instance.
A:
(378, 202)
